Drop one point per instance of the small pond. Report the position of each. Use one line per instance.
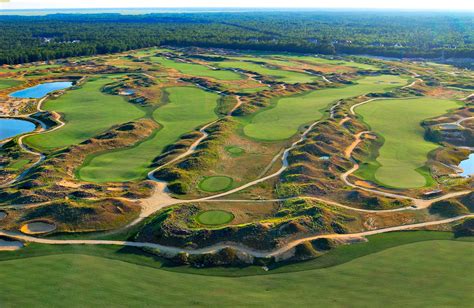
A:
(13, 127)
(467, 166)
(41, 90)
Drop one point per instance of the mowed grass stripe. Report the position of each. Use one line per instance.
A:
(404, 150)
(197, 69)
(188, 108)
(282, 120)
(435, 272)
(87, 112)
(8, 83)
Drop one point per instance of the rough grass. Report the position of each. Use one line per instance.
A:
(188, 108)
(282, 120)
(215, 183)
(8, 83)
(434, 272)
(214, 217)
(197, 69)
(405, 150)
(87, 112)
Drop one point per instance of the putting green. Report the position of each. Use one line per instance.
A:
(215, 183)
(404, 150)
(188, 108)
(87, 112)
(197, 69)
(437, 272)
(282, 120)
(214, 217)
(8, 83)
(277, 74)
(234, 151)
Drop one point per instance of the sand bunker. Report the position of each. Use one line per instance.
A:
(38, 227)
(2, 215)
(10, 246)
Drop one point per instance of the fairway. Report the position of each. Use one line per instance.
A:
(214, 218)
(188, 108)
(215, 183)
(87, 112)
(8, 83)
(434, 272)
(277, 74)
(404, 150)
(197, 69)
(282, 120)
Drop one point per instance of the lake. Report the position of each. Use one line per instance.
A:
(41, 90)
(467, 166)
(13, 127)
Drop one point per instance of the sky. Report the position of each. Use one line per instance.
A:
(382, 4)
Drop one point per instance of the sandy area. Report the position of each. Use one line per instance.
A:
(37, 227)
(10, 246)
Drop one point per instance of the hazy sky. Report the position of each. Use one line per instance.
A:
(406, 4)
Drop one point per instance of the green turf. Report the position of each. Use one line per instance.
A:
(215, 183)
(188, 108)
(282, 120)
(315, 60)
(437, 273)
(31, 68)
(8, 83)
(197, 69)
(404, 150)
(87, 112)
(234, 151)
(214, 217)
(277, 74)
(18, 164)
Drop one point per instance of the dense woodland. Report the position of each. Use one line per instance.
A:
(393, 34)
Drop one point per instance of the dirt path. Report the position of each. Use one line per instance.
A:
(169, 250)
(239, 103)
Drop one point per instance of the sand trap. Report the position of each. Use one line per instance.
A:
(10, 246)
(2, 215)
(37, 227)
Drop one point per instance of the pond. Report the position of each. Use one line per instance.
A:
(41, 90)
(467, 166)
(13, 127)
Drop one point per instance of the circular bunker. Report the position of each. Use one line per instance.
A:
(38, 227)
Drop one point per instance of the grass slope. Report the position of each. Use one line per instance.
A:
(392, 278)
(87, 112)
(188, 108)
(197, 69)
(8, 83)
(282, 120)
(404, 150)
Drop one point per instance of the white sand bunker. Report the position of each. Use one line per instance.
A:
(10, 245)
(2, 215)
(38, 227)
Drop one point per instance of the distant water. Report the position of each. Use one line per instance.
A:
(13, 127)
(467, 166)
(41, 90)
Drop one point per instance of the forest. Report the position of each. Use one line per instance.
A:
(379, 33)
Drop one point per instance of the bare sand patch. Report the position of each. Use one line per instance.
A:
(2, 215)
(38, 227)
(10, 245)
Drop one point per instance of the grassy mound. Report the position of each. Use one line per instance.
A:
(234, 151)
(214, 218)
(215, 183)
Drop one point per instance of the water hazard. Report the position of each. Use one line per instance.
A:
(41, 90)
(467, 166)
(13, 127)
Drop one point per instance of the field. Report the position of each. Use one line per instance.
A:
(188, 108)
(197, 69)
(8, 83)
(404, 150)
(282, 120)
(214, 217)
(412, 274)
(86, 112)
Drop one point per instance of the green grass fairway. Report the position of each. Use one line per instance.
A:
(314, 60)
(404, 149)
(188, 108)
(433, 273)
(234, 151)
(277, 74)
(282, 120)
(215, 183)
(8, 83)
(87, 112)
(197, 69)
(214, 218)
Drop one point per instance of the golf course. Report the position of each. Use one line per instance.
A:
(8, 83)
(187, 109)
(404, 150)
(283, 119)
